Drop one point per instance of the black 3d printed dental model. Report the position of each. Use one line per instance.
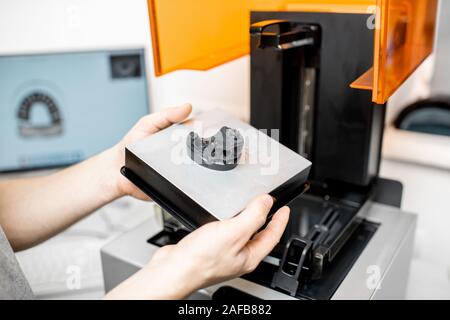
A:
(218, 152)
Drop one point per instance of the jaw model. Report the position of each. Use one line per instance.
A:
(219, 152)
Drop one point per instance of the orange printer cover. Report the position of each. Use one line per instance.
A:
(202, 34)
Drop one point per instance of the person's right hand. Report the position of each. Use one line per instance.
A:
(215, 252)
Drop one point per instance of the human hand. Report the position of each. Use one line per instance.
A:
(146, 126)
(216, 252)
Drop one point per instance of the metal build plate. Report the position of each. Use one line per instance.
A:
(264, 165)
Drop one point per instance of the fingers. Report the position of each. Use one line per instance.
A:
(264, 242)
(165, 118)
(251, 219)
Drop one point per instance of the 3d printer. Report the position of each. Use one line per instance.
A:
(321, 72)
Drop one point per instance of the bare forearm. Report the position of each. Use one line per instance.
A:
(32, 210)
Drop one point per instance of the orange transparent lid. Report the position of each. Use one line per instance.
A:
(403, 39)
(202, 34)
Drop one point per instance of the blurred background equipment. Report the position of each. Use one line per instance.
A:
(430, 116)
(60, 108)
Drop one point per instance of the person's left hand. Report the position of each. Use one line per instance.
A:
(146, 126)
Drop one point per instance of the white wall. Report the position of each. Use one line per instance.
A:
(28, 26)
(42, 25)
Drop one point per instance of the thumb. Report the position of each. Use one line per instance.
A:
(165, 118)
